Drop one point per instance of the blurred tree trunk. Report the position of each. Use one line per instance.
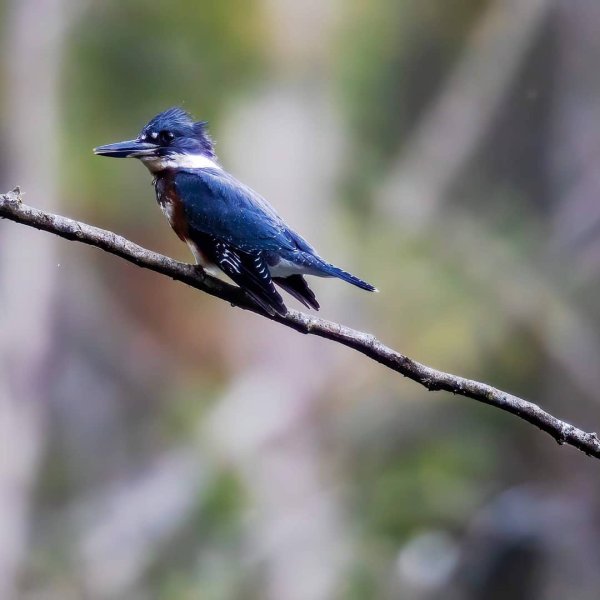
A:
(575, 139)
(572, 172)
(535, 541)
(34, 36)
(268, 422)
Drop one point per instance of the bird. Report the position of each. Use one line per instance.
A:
(229, 228)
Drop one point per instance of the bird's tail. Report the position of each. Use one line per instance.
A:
(329, 270)
(296, 286)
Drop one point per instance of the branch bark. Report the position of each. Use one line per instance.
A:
(13, 209)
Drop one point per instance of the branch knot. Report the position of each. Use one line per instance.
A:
(14, 197)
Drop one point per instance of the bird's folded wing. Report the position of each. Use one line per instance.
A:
(217, 204)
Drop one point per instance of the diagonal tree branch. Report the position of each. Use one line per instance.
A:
(12, 208)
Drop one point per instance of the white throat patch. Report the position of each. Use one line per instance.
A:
(179, 161)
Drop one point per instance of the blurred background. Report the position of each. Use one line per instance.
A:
(156, 443)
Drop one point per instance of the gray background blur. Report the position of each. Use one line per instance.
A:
(155, 443)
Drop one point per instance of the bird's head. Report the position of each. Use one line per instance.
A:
(171, 140)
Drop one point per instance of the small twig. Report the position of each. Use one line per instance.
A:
(12, 208)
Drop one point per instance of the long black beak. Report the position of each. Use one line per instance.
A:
(130, 148)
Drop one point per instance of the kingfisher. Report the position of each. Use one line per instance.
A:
(228, 226)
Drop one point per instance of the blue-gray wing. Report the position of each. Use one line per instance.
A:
(216, 204)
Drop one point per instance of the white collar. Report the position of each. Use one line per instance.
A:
(179, 161)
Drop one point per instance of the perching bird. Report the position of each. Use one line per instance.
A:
(225, 223)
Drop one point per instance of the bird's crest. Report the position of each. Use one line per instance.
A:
(181, 124)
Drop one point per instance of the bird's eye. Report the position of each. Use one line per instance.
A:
(165, 137)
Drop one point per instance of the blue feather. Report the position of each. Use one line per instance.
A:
(216, 204)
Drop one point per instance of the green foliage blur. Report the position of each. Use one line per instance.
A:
(283, 467)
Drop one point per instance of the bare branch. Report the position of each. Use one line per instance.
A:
(12, 208)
